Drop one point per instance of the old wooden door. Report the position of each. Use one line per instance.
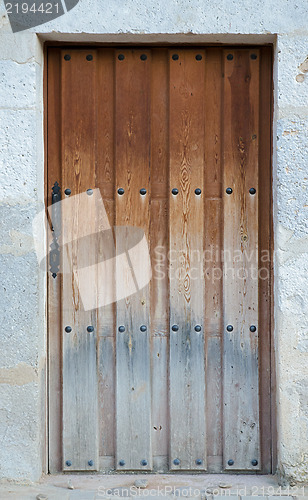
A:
(173, 145)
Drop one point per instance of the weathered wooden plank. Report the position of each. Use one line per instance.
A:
(54, 284)
(159, 123)
(105, 171)
(80, 387)
(160, 424)
(214, 402)
(267, 403)
(159, 192)
(105, 179)
(213, 124)
(159, 326)
(106, 380)
(159, 260)
(240, 360)
(212, 255)
(186, 232)
(132, 159)
(159, 250)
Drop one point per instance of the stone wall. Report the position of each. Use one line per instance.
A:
(23, 286)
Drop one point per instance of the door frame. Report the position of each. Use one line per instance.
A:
(53, 440)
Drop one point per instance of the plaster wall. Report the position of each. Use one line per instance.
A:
(23, 285)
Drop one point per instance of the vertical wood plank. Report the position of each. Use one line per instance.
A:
(241, 371)
(160, 426)
(132, 159)
(106, 374)
(80, 385)
(186, 231)
(159, 250)
(212, 255)
(54, 284)
(105, 179)
(267, 393)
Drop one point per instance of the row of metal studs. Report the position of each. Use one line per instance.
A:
(144, 57)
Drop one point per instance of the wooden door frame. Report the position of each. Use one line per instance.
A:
(52, 450)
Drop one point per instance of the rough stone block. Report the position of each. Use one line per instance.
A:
(18, 179)
(17, 84)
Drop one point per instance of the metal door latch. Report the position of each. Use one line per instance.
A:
(54, 256)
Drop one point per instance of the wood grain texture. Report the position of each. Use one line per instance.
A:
(212, 255)
(159, 372)
(159, 192)
(240, 360)
(159, 250)
(106, 402)
(105, 181)
(54, 284)
(213, 123)
(80, 385)
(267, 375)
(186, 223)
(132, 158)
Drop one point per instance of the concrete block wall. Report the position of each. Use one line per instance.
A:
(23, 285)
